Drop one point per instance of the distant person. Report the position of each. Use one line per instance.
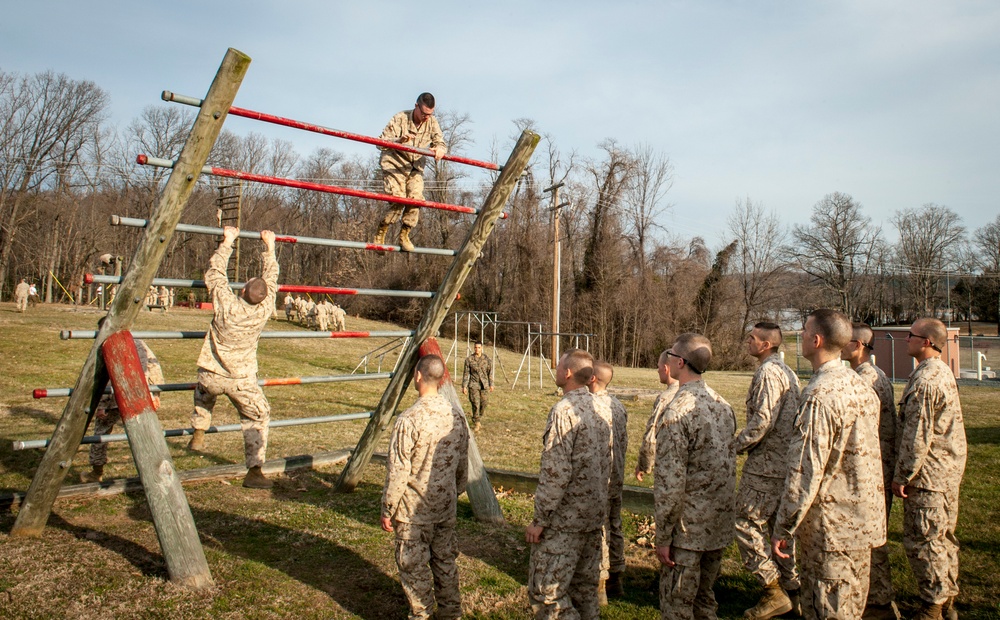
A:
(571, 499)
(832, 505)
(21, 295)
(613, 541)
(228, 361)
(880, 605)
(427, 469)
(930, 465)
(772, 404)
(32, 294)
(694, 484)
(477, 382)
(647, 451)
(403, 172)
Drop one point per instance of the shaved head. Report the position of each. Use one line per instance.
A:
(833, 326)
(580, 363)
(431, 368)
(769, 332)
(934, 330)
(603, 372)
(255, 291)
(696, 349)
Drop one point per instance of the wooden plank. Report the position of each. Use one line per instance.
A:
(465, 260)
(69, 431)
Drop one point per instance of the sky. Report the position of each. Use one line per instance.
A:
(894, 102)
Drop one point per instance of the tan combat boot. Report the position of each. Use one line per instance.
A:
(881, 612)
(255, 479)
(615, 586)
(197, 442)
(948, 610)
(94, 475)
(379, 239)
(602, 594)
(793, 596)
(404, 238)
(928, 611)
(773, 602)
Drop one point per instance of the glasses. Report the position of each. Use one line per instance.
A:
(919, 337)
(866, 345)
(689, 365)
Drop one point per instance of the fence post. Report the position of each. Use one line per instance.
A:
(172, 518)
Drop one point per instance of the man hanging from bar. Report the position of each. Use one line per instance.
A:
(403, 172)
(228, 361)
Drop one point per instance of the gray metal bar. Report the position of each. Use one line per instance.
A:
(81, 334)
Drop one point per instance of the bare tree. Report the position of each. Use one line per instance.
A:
(987, 242)
(758, 262)
(930, 241)
(645, 198)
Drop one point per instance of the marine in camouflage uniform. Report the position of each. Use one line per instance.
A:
(227, 364)
(930, 464)
(693, 486)
(647, 449)
(21, 295)
(477, 382)
(771, 405)
(571, 500)
(832, 503)
(427, 469)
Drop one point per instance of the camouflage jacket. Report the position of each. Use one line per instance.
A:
(428, 463)
(572, 492)
(772, 402)
(834, 496)
(230, 348)
(647, 451)
(873, 376)
(613, 411)
(694, 485)
(478, 372)
(427, 134)
(931, 443)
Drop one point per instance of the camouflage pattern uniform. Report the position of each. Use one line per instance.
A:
(107, 408)
(832, 504)
(21, 296)
(694, 483)
(427, 468)
(647, 451)
(339, 317)
(880, 591)
(322, 317)
(571, 503)
(228, 361)
(930, 463)
(289, 306)
(772, 403)
(614, 413)
(403, 173)
(477, 376)
(163, 297)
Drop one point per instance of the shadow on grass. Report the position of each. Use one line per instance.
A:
(32, 412)
(983, 435)
(148, 563)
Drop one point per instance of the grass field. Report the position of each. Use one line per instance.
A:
(302, 551)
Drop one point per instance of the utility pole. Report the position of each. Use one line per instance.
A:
(556, 269)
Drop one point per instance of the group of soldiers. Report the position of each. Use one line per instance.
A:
(322, 316)
(161, 297)
(810, 512)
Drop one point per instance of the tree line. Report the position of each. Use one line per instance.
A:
(626, 278)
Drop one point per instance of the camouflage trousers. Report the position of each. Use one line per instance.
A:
(21, 303)
(425, 555)
(612, 540)
(686, 588)
(880, 590)
(250, 403)
(563, 575)
(104, 423)
(478, 399)
(756, 506)
(406, 180)
(834, 583)
(929, 519)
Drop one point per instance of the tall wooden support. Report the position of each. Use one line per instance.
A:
(93, 378)
(484, 502)
(171, 514)
(465, 259)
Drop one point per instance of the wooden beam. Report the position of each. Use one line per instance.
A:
(90, 385)
(465, 260)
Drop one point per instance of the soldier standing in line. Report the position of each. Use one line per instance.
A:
(21, 295)
(402, 172)
(832, 503)
(571, 500)
(323, 316)
(930, 463)
(340, 322)
(289, 306)
(647, 451)
(693, 484)
(771, 405)
(880, 604)
(427, 468)
(163, 298)
(228, 361)
(612, 542)
(477, 382)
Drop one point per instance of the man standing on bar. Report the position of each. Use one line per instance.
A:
(228, 361)
(477, 382)
(403, 172)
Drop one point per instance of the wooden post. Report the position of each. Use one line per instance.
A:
(484, 502)
(172, 518)
(465, 259)
(93, 378)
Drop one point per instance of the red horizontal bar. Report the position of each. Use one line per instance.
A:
(40, 393)
(286, 381)
(329, 290)
(349, 334)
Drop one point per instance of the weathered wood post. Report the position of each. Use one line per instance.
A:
(93, 378)
(484, 502)
(172, 518)
(465, 259)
